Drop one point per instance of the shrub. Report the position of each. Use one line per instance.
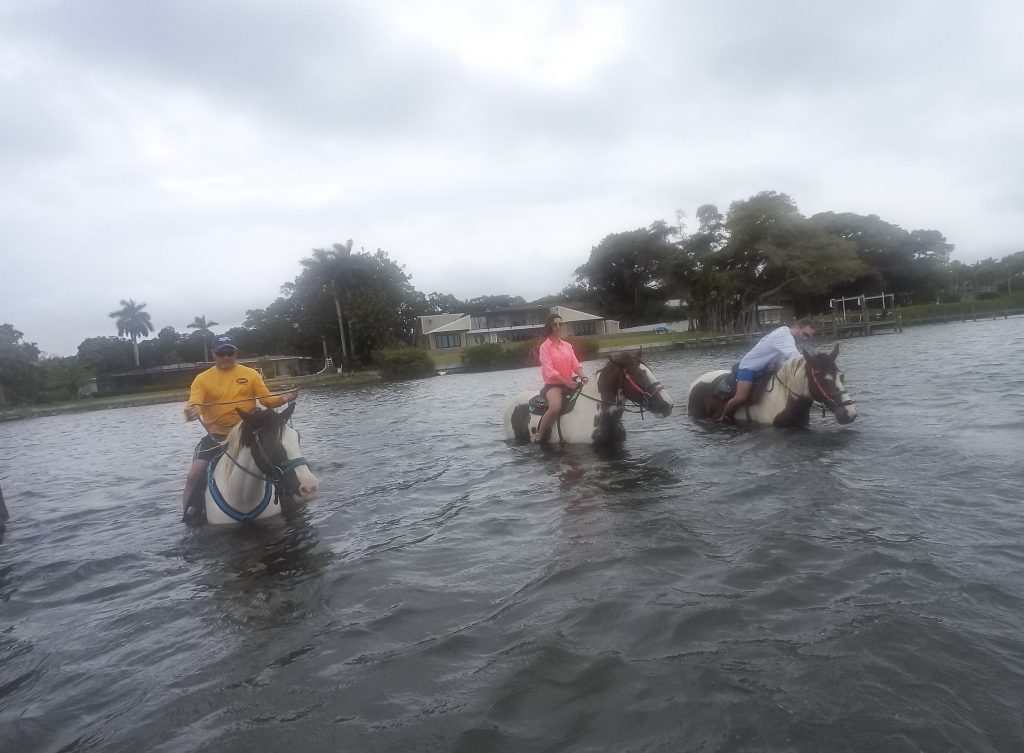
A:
(403, 363)
(586, 350)
(492, 356)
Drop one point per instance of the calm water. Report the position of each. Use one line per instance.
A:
(838, 589)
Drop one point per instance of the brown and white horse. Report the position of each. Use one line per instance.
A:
(787, 395)
(261, 461)
(597, 407)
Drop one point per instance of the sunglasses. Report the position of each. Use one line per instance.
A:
(556, 324)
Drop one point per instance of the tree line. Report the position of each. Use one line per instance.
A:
(763, 251)
(348, 304)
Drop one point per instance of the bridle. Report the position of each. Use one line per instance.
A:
(825, 399)
(644, 396)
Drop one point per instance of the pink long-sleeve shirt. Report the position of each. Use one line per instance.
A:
(557, 359)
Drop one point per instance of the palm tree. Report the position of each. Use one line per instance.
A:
(203, 326)
(134, 322)
(331, 269)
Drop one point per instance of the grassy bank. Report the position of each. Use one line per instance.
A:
(178, 395)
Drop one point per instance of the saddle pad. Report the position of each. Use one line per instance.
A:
(724, 387)
(538, 404)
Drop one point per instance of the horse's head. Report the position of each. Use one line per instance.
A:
(825, 383)
(275, 450)
(636, 382)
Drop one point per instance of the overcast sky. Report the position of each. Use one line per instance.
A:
(188, 154)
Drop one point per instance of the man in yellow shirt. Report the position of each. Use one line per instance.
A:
(215, 394)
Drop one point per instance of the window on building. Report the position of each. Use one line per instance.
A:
(585, 328)
(448, 341)
(478, 322)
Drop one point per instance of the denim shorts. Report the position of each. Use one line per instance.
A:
(746, 375)
(209, 447)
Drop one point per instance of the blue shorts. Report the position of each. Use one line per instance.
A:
(209, 447)
(746, 375)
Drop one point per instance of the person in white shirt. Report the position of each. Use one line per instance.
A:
(771, 350)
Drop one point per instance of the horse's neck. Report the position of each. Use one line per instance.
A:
(614, 400)
(237, 475)
(793, 374)
(233, 444)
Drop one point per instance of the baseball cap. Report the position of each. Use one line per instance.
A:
(223, 342)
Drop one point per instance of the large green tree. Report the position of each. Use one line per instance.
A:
(761, 252)
(483, 303)
(913, 265)
(371, 298)
(18, 367)
(626, 272)
(330, 272)
(134, 322)
(102, 355)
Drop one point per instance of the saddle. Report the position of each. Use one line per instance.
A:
(724, 387)
(538, 404)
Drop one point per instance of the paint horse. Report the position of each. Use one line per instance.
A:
(783, 398)
(261, 462)
(593, 413)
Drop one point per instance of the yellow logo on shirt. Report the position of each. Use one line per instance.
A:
(242, 380)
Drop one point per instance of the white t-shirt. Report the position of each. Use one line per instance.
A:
(774, 348)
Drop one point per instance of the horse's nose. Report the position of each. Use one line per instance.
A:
(665, 404)
(308, 485)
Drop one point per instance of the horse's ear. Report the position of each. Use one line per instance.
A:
(245, 414)
(807, 356)
(834, 353)
(287, 412)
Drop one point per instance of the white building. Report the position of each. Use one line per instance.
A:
(448, 332)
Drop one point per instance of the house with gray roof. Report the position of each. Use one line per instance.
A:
(451, 332)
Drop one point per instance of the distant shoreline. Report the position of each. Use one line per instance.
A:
(138, 399)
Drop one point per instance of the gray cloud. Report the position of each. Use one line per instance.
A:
(154, 150)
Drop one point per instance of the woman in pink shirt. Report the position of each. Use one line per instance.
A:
(559, 368)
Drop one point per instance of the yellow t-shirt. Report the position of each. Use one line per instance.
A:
(217, 385)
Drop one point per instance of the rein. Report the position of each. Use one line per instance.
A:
(245, 399)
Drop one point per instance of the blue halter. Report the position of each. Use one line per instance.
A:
(272, 482)
(224, 505)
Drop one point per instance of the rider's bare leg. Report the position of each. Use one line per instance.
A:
(554, 396)
(742, 395)
(195, 472)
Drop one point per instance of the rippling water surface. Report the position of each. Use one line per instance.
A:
(849, 588)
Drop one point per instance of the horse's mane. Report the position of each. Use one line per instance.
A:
(243, 432)
(818, 361)
(622, 362)
(234, 440)
(791, 366)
